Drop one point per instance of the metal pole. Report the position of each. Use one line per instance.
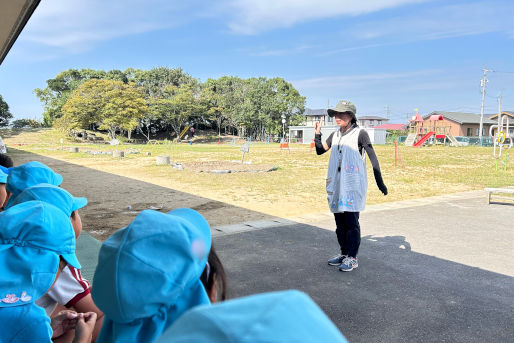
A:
(483, 83)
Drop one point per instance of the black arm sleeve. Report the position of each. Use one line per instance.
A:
(320, 150)
(365, 143)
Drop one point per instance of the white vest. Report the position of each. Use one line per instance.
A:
(347, 181)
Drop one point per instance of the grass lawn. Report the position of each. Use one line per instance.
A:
(297, 187)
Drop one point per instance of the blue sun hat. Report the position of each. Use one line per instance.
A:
(51, 194)
(32, 237)
(28, 175)
(285, 316)
(148, 274)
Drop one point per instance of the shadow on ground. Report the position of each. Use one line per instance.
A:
(113, 200)
(396, 295)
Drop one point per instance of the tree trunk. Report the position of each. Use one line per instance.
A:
(112, 133)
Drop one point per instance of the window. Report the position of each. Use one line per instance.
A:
(469, 131)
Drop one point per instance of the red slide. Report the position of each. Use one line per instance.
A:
(423, 139)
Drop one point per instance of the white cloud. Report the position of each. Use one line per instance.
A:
(388, 80)
(282, 52)
(74, 24)
(436, 23)
(252, 17)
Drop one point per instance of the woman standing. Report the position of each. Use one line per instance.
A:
(347, 182)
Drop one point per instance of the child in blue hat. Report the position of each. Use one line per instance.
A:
(27, 175)
(286, 316)
(35, 240)
(70, 290)
(148, 274)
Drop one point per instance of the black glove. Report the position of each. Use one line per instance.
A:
(382, 188)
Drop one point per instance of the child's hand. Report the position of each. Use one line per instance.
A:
(383, 188)
(64, 321)
(85, 326)
(317, 127)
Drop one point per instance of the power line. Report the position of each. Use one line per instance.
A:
(503, 72)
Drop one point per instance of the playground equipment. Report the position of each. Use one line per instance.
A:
(420, 131)
(186, 129)
(502, 139)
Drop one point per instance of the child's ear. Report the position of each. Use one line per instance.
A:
(213, 292)
(6, 199)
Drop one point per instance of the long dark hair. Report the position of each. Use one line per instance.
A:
(214, 275)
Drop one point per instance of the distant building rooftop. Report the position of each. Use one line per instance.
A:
(508, 113)
(396, 127)
(315, 112)
(462, 117)
(372, 118)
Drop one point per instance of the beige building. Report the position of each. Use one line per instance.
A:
(460, 123)
(510, 116)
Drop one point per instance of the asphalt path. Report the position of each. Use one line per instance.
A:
(426, 273)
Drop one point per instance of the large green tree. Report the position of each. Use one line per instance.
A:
(111, 105)
(60, 88)
(179, 105)
(221, 98)
(255, 106)
(5, 114)
(154, 83)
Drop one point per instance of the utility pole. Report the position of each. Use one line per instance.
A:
(483, 83)
(387, 112)
(499, 111)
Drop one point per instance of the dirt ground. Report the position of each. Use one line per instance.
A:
(114, 200)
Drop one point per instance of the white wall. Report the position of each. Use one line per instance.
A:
(377, 136)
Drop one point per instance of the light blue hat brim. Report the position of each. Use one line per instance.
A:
(50, 194)
(72, 260)
(78, 203)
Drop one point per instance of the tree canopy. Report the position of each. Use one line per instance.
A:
(110, 105)
(168, 99)
(5, 115)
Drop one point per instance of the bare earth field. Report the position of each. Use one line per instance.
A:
(276, 183)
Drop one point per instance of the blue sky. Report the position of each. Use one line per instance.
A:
(404, 54)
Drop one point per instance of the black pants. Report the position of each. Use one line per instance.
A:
(348, 232)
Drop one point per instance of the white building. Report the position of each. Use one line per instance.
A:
(305, 134)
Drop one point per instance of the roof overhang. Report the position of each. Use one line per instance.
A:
(14, 14)
(435, 117)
